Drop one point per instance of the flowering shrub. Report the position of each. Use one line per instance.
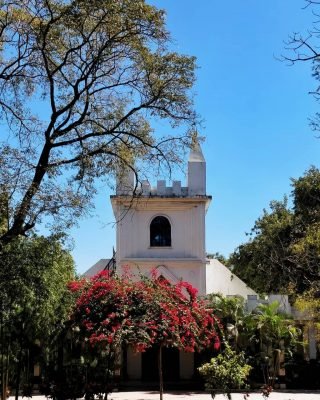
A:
(112, 310)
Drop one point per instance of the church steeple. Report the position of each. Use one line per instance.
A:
(196, 169)
(125, 181)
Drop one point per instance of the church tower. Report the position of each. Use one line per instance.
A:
(196, 171)
(163, 227)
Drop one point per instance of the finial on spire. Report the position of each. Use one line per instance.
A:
(196, 152)
(194, 138)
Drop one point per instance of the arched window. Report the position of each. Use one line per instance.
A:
(160, 232)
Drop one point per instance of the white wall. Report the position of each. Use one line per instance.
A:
(219, 279)
(192, 271)
(185, 258)
(187, 220)
(283, 300)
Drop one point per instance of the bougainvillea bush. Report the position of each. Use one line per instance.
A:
(142, 312)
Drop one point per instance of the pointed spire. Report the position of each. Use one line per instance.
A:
(196, 152)
(196, 169)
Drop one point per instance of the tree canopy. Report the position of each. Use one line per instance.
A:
(34, 273)
(80, 83)
(284, 248)
(34, 303)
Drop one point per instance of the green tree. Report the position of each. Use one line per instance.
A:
(274, 329)
(34, 303)
(264, 337)
(101, 71)
(308, 304)
(284, 248)
(264, 261)
(276, 335)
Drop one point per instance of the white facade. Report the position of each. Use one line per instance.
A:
(183, 257)
(183, 207)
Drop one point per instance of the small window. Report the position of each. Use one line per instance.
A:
(160, 232)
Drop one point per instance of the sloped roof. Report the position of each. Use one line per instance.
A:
(97, 267)
(220, 279)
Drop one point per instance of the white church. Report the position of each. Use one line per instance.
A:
(163, 227)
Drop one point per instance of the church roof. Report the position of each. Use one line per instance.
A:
(97, 267)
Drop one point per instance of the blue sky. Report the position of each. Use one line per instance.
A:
(255, 111)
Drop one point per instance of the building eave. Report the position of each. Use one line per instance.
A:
(136, 202)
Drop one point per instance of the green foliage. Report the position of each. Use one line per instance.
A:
(225, 372)
(274, 337)
(308, 304)
(103, 73)
(33, 277)
(34, 302)
(284, 248)
(266, 324)
(229, 309)
(267, 336)
(4, 212)
(231, 312)
(274, 329)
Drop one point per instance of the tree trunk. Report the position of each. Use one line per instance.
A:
(4, 353)
(160, 372)
(1, 354)
(19, 368)
(106, 383)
